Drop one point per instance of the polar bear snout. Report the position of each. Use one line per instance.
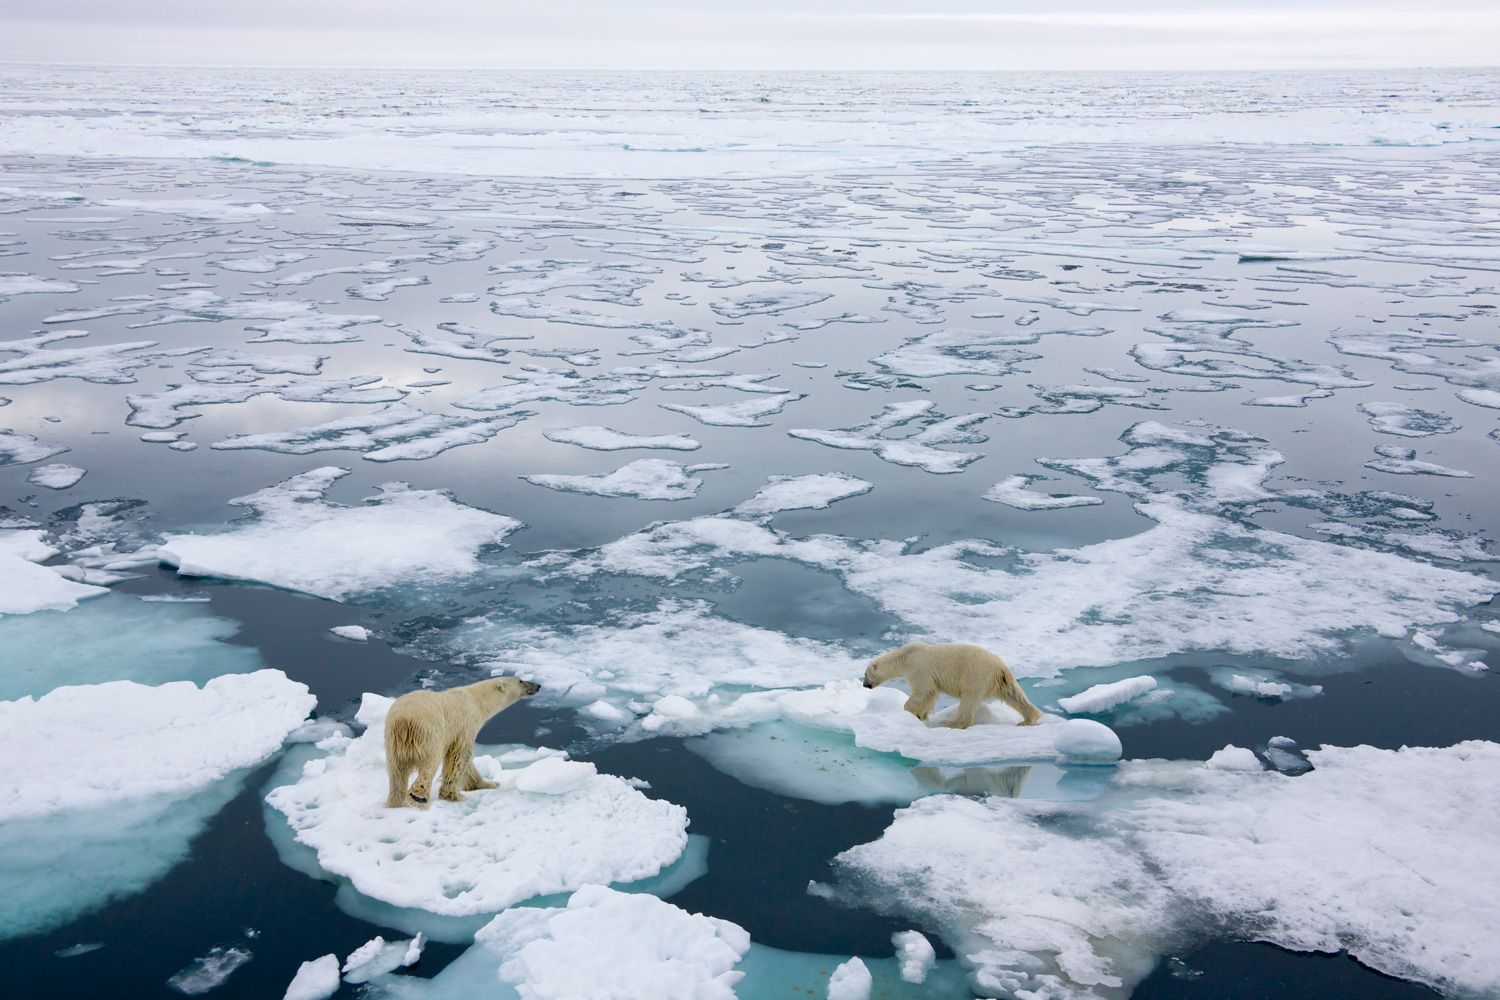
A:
(530, 687)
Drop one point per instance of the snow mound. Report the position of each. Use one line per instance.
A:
(128, 741)
(300, 541)
(498, 847)
(1343, 857)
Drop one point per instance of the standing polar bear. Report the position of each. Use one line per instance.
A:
(425, 729)
(968, 673)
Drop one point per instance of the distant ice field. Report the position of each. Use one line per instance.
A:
(685, 396)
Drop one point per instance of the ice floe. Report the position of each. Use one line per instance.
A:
(56, 476)
(37, 360)
(499, 847)
(919, 449)
(1406, 421)
(165, 408)
(1400, 461)
(23, 449)
(1075, 901)
(144, 770)
(354, 633)
(608, 439)
(1015, 491)
(813, 492)
(750, 413)
(298, 540)
(378, 957)
(398, 432)
(643, 479)
(26, 587)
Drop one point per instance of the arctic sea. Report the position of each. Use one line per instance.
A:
(684, 396)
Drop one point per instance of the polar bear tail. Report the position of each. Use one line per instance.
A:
(1010, 692)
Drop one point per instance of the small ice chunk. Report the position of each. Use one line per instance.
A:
(315, 980)
(56, 476)
(73, 951)
(850, 981)
(750, 413)
(354, 633)
(1404, 462)
(209, 972)
(915, 953)
(1103, 697)
(377, 957)
(1406, 421)
(1233, 758)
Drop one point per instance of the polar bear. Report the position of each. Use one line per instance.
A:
(425, 729)
(968, 673)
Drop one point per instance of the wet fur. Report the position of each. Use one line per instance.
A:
(428, 731)
(968, 673)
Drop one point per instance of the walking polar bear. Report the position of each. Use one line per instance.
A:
(428, 729)
(968, 673)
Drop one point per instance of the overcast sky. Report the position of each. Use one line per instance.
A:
(759, 34)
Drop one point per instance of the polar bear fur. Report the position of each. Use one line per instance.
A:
(428, 729)
(968, 673)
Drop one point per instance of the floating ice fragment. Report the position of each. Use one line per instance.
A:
(643, 479)
(850, 981)
(73, 951)
(355, 633)
(915, 953)
(317, 979)
(607, 439)
(1015, 491)
(377, 957)
(209, 972)
(1403, 462)
(23, 449)
(391, 433)
(26, 587)
(1406, 421)
(12, 283)
(300, 541)
(1103, 697)
(56, 476)
(813, 492)
(917, 449)
(750, 413)
(1261, 684)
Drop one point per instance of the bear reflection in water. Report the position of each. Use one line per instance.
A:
(1005, 782)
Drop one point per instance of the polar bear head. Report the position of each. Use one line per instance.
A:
(501, 692)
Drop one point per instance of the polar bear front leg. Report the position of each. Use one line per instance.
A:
(921, 701)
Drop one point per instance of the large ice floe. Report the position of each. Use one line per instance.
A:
(298, 540)
(109, 783)
(1384, 854)
(552, 826)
